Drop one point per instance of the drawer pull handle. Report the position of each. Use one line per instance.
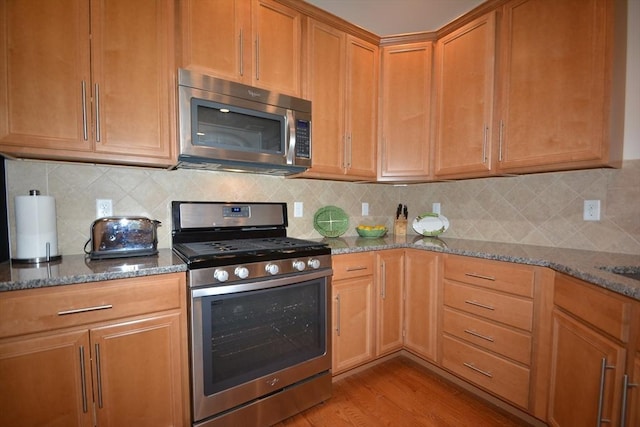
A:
(485, 373)
(358, 268)
(477, 304)
(475, 334)
(85, 309)
(480, 276)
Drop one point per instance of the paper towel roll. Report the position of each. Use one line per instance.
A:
(35, 227)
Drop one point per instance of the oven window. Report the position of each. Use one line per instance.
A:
(251, 334)
(233, 128)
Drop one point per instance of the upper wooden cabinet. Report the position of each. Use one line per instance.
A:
(558, 107)
(88, 80)
(405, 112)
(464, 92)
(341, 82)
(254, 42)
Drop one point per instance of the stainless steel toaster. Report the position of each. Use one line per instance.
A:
(121, 236)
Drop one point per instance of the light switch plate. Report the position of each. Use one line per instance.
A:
(298, 209)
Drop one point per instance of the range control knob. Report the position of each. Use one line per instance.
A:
(241, 272)
(272, 269)
(299, 265)
(221, 275)
(314, 263)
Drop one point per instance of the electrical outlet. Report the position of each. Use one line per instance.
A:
(365, 209)
(103, 208)
(435, 208)
(591, 210)
(298, 209)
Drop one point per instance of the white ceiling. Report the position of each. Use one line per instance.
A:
(388, 17)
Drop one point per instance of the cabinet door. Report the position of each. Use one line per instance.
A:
(277, 42)
(216, 37)
(361, 108)
(405, 111)
(389, 293)
(352, 323)
(421, 302)
(464, 76)
(578, 354)
(137, 372)
(132, 59)
(633, 393)
(555, 67)
(44, 48)
(325, 88)
(46, 381)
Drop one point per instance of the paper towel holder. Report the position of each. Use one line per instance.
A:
(47, 258)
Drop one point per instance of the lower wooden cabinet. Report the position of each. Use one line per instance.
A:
(422, 272)
(389, 300)
(126, 371)
(353, 310)
(591, 345)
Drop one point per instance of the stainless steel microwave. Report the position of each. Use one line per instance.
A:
(229, 126)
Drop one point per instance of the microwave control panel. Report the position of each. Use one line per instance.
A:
(303, 139)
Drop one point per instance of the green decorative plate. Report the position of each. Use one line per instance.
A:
(331, 221)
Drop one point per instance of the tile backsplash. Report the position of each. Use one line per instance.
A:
(539, 209)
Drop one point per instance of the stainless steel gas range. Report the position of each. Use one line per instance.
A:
(260, 347)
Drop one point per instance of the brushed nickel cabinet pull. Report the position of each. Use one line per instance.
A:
(85, 129)
(97, 93)
(350, 152)
(484, 144)
(500, 140)
(485, 373)
(83, 379)
(477, 304)
(338, 314)
(241, 44)
(85, 309)
(476, 334)
(258, 58)
(357, 268)
(603, 369)
(480, 276)
(383, 290)
(98, 375)
(626, 385)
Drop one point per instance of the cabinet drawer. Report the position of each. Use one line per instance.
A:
(348, 266)
(506, 309)
(502, 276)
(35, 310)
(608, 312)
(493, 373)
(507, 342)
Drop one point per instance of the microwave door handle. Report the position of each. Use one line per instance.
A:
(290, 125)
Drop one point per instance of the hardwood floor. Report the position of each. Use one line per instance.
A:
(399, 392)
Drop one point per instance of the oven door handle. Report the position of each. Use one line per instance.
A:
(260, 284)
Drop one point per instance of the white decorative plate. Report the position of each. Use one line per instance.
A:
(430, 224)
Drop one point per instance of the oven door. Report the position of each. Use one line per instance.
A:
(253, 339)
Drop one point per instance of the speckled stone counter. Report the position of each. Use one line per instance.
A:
(72, 269)
(584, 265)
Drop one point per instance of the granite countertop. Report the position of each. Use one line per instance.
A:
(584, 265)
(73, 269)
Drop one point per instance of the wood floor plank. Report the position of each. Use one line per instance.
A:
(398, 393)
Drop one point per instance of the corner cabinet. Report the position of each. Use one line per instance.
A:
(389, 285)
(560, 85)
(593, 370)
(464, 99)
(256, 42)
(405, 112)
(88, 80)
(102, 354)
(341, 82)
